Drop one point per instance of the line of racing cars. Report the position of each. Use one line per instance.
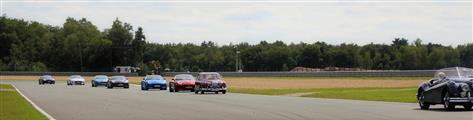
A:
(205, 82)
(450, 86)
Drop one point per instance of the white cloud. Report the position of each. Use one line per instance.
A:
(335, 23)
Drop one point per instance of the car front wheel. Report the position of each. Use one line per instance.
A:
(446, 102)
(145, 87)
(467, 107)
(422, 104)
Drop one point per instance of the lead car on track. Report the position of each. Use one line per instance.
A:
(450, 87)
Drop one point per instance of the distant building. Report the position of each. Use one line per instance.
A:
(125, 69)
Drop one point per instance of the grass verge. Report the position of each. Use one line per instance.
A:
(6, 86)
(371, 94)
(14, 107)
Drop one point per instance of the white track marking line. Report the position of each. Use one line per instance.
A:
(34, 105)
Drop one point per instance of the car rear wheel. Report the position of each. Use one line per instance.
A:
(216, 92)
(467, 107)
(196, 92)
(446, 102)
(109, 86)
(223, 92)
(422, 104)
(202, 92)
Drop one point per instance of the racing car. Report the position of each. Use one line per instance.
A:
(46, 79)
(210, 82)
(153, 82)
(450, 87)
(75, 80)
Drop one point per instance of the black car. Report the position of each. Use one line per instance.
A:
(450, 87)
(46, 79)
(117, 81)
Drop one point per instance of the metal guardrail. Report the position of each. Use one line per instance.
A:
(27, 73)
(386, 73)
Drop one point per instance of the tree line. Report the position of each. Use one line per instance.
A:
(78, 45)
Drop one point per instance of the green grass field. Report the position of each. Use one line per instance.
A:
(370, 94)
(14, 107)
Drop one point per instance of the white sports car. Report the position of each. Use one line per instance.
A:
(75, 80)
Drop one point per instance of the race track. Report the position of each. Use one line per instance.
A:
(87, 103)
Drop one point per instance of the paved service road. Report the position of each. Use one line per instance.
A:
(87, 103)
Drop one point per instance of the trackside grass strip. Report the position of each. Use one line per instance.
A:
(406, 95)
(14, 107)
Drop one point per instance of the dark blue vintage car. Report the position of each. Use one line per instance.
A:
(450, 87)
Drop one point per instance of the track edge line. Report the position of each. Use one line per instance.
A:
(34, 105)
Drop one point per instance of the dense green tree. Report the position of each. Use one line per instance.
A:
(78, 45)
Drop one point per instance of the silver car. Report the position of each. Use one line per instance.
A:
(75, 80)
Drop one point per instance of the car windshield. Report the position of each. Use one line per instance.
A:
(456, 72)
(100, 77)
(47, 77)
(210, 76)
(184, 77)
(153, 77)
(76, 76)
(118, 78)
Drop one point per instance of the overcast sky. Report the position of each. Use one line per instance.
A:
(233, 22)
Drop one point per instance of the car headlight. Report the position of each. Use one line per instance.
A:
(465, 88)
(126, 81)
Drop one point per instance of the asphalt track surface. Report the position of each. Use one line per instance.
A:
(87, 103)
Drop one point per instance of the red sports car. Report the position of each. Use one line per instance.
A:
(182, 82)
